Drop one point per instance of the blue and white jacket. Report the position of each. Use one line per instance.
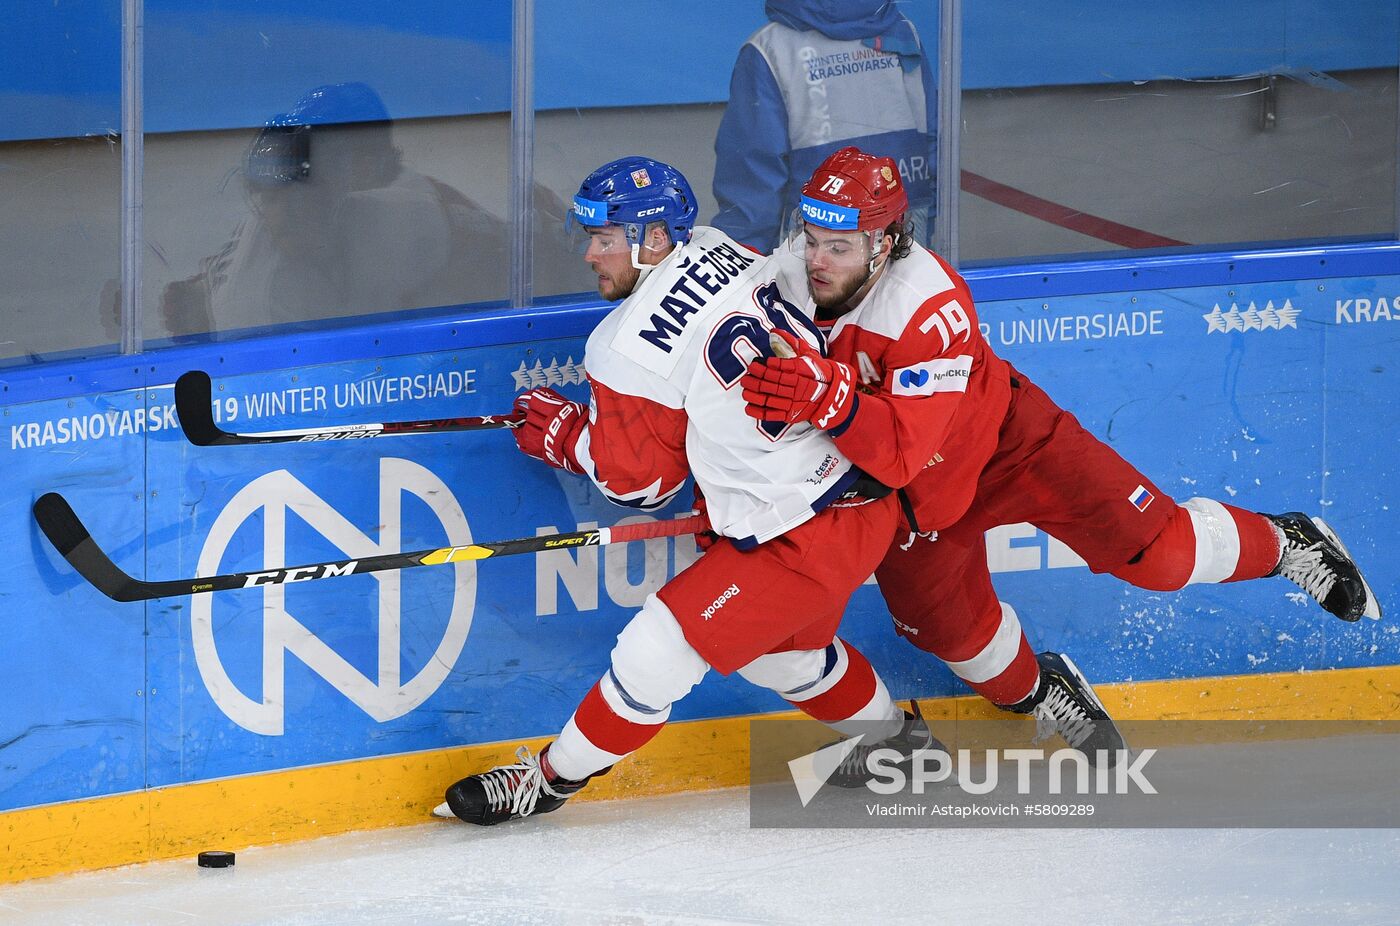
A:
(822, 74)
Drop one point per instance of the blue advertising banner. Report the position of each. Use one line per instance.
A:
(1274, 397)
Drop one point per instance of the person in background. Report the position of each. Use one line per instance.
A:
(823, 74)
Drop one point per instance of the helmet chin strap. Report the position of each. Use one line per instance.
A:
(648, 268)
(870, 270)
(875, 243)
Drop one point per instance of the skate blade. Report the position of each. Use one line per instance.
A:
(442, 810)
(1373, 607)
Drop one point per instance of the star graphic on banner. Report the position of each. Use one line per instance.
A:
(1288, 316)
(1250, 318)
(1214, 320)
(1268, 318)
(1232, 319)
(555, 374)
(571, 372)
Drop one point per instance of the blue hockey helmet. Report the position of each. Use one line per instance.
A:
(634, 192)
(336, 103)
(282, 150)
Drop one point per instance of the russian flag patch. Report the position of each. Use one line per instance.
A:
(1140, 498)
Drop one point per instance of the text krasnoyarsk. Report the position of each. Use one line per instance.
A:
(935, 767)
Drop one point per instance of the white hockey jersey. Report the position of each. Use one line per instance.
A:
(664, 369)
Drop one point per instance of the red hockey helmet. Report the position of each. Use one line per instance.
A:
(854, 191)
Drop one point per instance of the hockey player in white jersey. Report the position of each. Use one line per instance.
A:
(798, 531)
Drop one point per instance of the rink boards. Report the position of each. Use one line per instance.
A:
(285, 712)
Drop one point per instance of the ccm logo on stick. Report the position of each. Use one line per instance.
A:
(300, 574)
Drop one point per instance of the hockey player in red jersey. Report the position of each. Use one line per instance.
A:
(663, 370)
(913, 395)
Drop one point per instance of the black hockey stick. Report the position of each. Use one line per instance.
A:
(70, 538)
(194, 406)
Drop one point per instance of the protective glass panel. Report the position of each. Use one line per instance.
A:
(60, 179)
(322, 160)
(744, 99)
(1106, 127)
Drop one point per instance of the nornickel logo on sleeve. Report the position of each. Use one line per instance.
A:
(932, 376)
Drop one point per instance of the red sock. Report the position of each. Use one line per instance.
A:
(850, 694)
(1259, 546)
(608, 731)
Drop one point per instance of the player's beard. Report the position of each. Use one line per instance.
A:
(836, 299)
(613, 287)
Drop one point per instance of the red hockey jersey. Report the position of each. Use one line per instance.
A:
(933, 394)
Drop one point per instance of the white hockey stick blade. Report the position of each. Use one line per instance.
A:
(442, 810)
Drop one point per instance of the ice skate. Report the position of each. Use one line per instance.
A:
(508, 792)
(1065, 704)
(1315, 560)
(913, 738)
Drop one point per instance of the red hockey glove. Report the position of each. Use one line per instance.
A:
(808, 387)
(552, 426)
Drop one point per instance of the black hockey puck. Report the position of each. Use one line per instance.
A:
(216, 859)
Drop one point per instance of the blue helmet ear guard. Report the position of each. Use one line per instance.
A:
(634, 192)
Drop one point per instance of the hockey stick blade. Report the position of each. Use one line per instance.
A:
(194, 399)
(70, 538)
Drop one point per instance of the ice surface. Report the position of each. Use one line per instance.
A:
(694, 859)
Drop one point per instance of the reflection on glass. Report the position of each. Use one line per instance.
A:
(60, 179)
(339, 225)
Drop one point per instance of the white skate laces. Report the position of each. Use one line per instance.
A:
(1063, 703)
(857, 761)
(853, 765)
(1059, 713)
(517, 786)
(913, 738)
(1306, 568)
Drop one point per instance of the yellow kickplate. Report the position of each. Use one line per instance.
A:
(697, 755)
